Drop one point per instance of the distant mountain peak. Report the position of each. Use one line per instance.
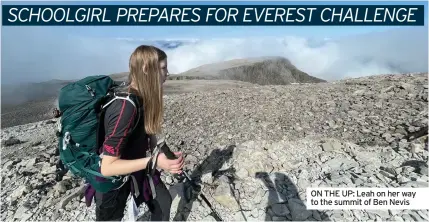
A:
(265, 70)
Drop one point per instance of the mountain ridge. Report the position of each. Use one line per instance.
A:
(265, 70)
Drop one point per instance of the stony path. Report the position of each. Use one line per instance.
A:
(255, 150)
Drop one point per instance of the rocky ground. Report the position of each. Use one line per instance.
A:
(41, 109)
(255, 150)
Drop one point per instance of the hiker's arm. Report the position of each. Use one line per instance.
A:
(120, 120)
(112, 166)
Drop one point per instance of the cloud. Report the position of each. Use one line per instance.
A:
(394, 51)
(37, 54)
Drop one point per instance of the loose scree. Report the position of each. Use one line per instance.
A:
(212, 15)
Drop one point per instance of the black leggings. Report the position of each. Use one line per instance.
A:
(110, 206)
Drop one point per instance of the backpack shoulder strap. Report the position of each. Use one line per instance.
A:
(116, 96)
(128, 97)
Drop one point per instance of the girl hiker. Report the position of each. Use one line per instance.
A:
(125, 153)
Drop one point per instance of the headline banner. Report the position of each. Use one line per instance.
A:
(213, 15)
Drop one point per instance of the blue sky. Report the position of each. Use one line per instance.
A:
(43, 53)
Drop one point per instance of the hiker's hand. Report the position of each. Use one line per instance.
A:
(172, 166)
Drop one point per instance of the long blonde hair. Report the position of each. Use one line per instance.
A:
(145, 77)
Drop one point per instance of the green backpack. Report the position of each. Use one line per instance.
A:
(81, 106)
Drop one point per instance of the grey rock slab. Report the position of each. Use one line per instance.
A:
(417, 148)
(276, 218)
(36, 143)
(209, 218)
(316, 215)
(298, 210)
(20, 192)
(393, 212)
(344, 164)
(61, 187)
(398, 218)
(47, 169)
(332, 146)
(242, 173)
(224, 196)
(337, 216)
(23, 213)
(28, 164)
(8, 165)
(76, 192)
(424, 170)
(417, 184)
(365, 158)
(280, 210)
(416, 216)
(381, 213)
(238, 216)
(254, 213)
(257, 196)
(424, 215)
(207, 178)
(407, 217)
(11, 141)
(358, 214)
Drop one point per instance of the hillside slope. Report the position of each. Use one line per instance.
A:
(41, 97)
(259, 70)
(30, 92)
(256, 149)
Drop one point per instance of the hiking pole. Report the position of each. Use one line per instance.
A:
(170, 155)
